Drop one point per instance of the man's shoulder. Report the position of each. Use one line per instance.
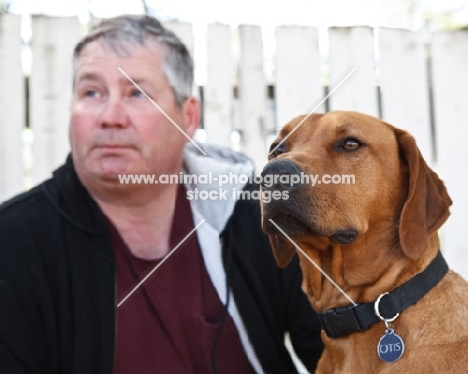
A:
(25, 233)
(26, 206)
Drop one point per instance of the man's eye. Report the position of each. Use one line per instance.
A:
(91, 93)
(137, 93)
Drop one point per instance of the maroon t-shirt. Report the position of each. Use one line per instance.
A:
(169, 323)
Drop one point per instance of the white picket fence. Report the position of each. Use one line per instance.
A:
(415, 81)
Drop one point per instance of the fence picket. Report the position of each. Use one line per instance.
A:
(353, 48)
(51, 90)
(218, 93)
(450, 80)
(252, 94)
(298, 67)
(12, 106)
(404, 85)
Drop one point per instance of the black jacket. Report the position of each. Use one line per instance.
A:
(58, 287)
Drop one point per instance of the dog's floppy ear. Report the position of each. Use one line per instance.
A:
(427, 204)
(282, 250)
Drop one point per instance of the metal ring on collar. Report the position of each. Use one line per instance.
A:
(377, 312)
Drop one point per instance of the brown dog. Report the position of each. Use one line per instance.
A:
(371, 237)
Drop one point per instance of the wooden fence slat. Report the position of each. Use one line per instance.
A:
(252, 94)
(51, 90)
(218, 93)
(450, 82)
(12, 106)
(353, 47)
(404, 85)
(298, 67)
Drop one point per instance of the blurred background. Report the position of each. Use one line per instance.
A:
(257, 65)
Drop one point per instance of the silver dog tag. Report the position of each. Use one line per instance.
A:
(390, 347)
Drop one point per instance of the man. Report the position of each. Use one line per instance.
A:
(75, 251)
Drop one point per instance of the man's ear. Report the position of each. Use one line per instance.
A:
(282, 250)
(191, 113)
(427, 204)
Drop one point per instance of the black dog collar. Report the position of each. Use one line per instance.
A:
(343, 321)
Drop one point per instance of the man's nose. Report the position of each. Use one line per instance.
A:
(114, 114)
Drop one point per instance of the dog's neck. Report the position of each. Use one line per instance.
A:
(361, 276)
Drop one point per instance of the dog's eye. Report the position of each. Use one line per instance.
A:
(349, 144)
(277, 150)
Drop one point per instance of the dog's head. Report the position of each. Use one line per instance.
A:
(343, 176)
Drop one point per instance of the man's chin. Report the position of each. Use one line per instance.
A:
(109, 171)
(116, 175)
(111, 166)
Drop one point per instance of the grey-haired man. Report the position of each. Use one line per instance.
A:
(76, 246)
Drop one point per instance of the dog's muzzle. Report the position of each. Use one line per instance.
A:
(281, 175)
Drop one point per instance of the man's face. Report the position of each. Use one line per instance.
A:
(114, 128)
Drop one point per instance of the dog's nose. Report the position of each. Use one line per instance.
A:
(281, 175)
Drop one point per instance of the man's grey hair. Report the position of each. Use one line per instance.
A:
(123, 32)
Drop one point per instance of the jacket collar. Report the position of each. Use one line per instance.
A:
(219, 161)
(72, 200)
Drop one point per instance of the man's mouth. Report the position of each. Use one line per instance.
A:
(112, 147)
